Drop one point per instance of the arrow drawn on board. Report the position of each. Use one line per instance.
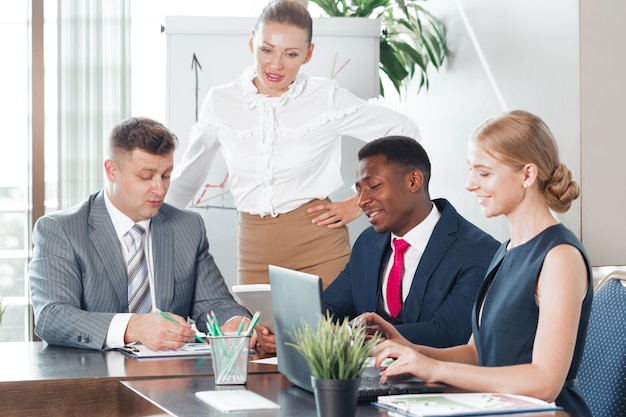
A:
(195, 64)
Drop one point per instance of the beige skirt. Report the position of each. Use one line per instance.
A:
(290, 240)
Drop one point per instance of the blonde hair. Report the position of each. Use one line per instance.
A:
(517, 138)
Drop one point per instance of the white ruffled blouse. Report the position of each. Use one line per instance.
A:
(281, 152)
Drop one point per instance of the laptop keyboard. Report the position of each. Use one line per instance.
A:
(371, 388)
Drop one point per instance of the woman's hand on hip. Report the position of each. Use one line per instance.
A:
(336, 214)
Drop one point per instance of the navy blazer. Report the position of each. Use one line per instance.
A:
(437, 310)
(79, 281)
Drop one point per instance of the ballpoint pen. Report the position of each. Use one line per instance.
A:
(198, 338)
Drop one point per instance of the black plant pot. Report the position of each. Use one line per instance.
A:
(336, 397)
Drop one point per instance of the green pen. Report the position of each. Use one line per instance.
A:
(243, 321)
(218, 328)
(253, 322)
(209, 325)
(198, 338)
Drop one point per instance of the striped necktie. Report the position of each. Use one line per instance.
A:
(139, 300)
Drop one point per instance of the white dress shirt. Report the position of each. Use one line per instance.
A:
(418, 238)
(281, 152)
(122, 223)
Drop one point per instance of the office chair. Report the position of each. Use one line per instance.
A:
(602, 373)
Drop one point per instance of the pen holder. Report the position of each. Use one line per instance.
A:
(230, 357)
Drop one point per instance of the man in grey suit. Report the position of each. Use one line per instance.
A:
(79, 270)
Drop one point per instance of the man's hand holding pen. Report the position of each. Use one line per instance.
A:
(158, 333)
(165, 331)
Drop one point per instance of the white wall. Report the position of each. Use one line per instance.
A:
(562, 60)
(603, 104)
(503, 55)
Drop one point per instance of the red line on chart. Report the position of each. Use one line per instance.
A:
(221, 185)
(333, 75)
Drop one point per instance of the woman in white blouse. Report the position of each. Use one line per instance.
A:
(280, 133)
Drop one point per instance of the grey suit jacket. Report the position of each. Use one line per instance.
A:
(78, 278)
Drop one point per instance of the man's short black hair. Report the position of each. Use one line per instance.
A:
(400, 150)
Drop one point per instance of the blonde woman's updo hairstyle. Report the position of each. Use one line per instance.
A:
(517, 138)
(290, 12)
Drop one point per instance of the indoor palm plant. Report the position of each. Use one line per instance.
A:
(411, 39)
(337, 353)
(3, 308)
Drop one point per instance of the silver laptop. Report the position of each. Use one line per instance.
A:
(297, 296)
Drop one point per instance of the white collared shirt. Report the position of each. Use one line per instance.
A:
(122, 223)
(281, 152)
(418, 238)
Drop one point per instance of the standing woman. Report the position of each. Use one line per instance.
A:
(531, 313)
(280, 133)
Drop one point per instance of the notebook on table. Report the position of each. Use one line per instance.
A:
(297, 296)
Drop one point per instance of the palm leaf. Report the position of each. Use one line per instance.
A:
(412, 37)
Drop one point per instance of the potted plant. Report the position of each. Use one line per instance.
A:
(411, 39)
(336, 353)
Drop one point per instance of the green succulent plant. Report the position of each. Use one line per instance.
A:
(412, 38)
(336, 349)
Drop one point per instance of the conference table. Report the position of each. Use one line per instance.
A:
(176, 397)
(39, 379)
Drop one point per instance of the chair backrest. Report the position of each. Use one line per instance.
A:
(602, 373)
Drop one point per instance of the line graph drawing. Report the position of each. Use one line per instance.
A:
(212, 195)
(333, 73)
(207, 198)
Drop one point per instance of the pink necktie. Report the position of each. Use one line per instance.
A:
(394, 282)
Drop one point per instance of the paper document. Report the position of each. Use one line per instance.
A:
(461, 404)
(190, 349)
(236, 400)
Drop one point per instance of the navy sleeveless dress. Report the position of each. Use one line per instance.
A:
(505, 333)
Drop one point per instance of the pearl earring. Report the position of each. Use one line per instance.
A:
(525, 185)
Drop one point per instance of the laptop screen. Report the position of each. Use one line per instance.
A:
(296, 298)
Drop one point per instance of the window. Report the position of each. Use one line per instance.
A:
(14, 168)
